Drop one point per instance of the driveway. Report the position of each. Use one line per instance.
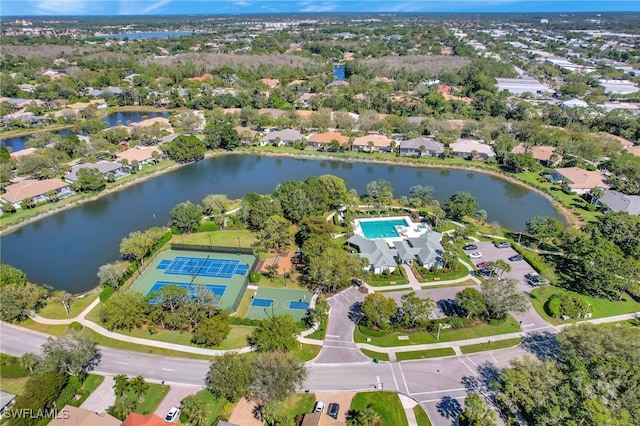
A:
(338, 346)
(101, 398)
(176, 394)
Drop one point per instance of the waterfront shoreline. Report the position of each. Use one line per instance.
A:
(566, 214)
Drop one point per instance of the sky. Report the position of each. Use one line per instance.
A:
(189, 7)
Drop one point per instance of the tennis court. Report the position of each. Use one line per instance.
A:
(192, 290)
(224, 274)
(279, 301)
(203, 267)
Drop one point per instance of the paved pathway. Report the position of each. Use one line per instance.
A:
(172, 399)
(101, 398)
(408, 404)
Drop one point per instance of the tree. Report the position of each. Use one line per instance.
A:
(502, 296)
(136, 245)
(212, 331)
(472, 301)
(542, 227)
(277, 333)
(74, 353)
(186, 216)
(502, 266)
(185, 149)
(449, 259)
(89, 179)
(122, 407)
(120, 384)
(416, 311)
(112, 274)
(17, 301)
(379, 309)
(138, 386)
(329, 268)
(124, 311)
(11, 276)
(215, 204)
(366, 417)
(460, 204)
(422, 193)
(40, 393)
(275, 376)
(194, 409)
(229, 377)
(336, 189)
(66, 299)
(380, 191)
(476, 413)
(276, 415)
(274, 235)
(189, 121)
(482, 215)
(29, 361)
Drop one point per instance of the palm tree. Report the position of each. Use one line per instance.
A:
(502, 266)
(122, 407)
(120, 384)
(596, 193)
(155, 155)
(139, 386)
(421, 148)
(194, 410)
(29, 361)
(371, 144)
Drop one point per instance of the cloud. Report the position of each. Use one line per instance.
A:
(312, 6)
(155, 6)
(60, 7)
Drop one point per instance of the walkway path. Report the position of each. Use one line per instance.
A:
(101, 398)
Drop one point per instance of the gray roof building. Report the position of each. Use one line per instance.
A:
(518, 86)
(5, 400)
(619, 202)
(379, 255)
(286, 137)
(105, 168)
(421, 146)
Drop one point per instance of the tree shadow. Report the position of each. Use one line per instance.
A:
(449, 408)
(484, 382)
(95, 361)
(543, 345)
(355, 312)
(449, 307)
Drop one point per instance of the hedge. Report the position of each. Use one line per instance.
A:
(245, 321)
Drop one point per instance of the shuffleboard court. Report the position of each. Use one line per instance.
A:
(282, 301)
(225, 274)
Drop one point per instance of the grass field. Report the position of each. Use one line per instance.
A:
(499, 344)
(430, 353)
(421, 417)
(386, 404)
(298, 403)
(55, 310)
(382, 356)
(460, 284)
(305, 352)
(599, 307)
(222, 238)
(510, 325)
(151, 399)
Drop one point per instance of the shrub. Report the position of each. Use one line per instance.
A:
(75, 326)
(553, 306)
(573, 305)
(207, 227)
(371, 332)
(254, 277)
(106, 293)
(244, 321)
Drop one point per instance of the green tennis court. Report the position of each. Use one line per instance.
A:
(234, 283)
(279, 301)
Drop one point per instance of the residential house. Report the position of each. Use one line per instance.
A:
(74, 416)
(372, 143)
(22, 152)
(522, 85)
(619, 202)
(142, 154)
(320, 419)
(379, 256)
(201, 78)
(422, 147)
(105, 167)
(573, 103)
(246, 133)
(285, 137)
(543, 154)
(135, 419)
(275, 113)
(634, 150)
(6, 400)
(618, 87)
(305, 99)
(36, 190)
(323, 140)
(579, 180)
(471, 149)
(270, 82)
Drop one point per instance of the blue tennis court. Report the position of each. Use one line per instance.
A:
(197, 266)
(303, 306)
(216, 289)
(262, 303)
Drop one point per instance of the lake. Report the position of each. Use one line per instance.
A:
(66, 249)
(18, 143)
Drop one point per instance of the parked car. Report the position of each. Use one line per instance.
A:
(475, 255)
(481, 265)
(333, 410)
(487, 272)
(516, 257)
(536, 280)
(503, 244)
(470, 247)
(172, 415)
(318, 407)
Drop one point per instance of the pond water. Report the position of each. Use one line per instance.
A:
(66, 249)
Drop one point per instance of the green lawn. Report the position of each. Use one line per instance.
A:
(90, 384)
(386, 404)
(421, 416)
(55, 310)
(245, 304)
(510, 325)
(499, 344)
(431, 353)
(600, 308)
(214, 406)
(54, 330)
(14, 386)
(382, 356)
(223, 238)
(152, 398)
(460, 284)
(460, 272)
(305, 352)
(298, 403)
(386, 280)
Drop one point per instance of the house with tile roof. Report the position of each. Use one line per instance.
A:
(142, 154)
(323, 140)
(543, 154)
(372, 143)
(320, 419)
(422, 147)
(135, 419)
(74, 416)
(579, 180)
(35, 189)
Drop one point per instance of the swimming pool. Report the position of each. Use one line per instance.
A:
(384, 228)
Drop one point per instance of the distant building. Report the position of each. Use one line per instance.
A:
(543, 154)
(619, 202)
(285, 137)
(37, 190)
(617, 87)
(471, 149)
(579, 180)
(372, 143)
(573, 103)
(519, 86)
(319, 140)
(105, 167)
(421, 146)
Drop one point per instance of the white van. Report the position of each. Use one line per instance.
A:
(319, 407)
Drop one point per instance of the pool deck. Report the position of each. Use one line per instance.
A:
(412, 230)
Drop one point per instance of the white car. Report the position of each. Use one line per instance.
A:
(475, 255)
(172, 415)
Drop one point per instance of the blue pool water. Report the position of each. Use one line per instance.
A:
(381, 228)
